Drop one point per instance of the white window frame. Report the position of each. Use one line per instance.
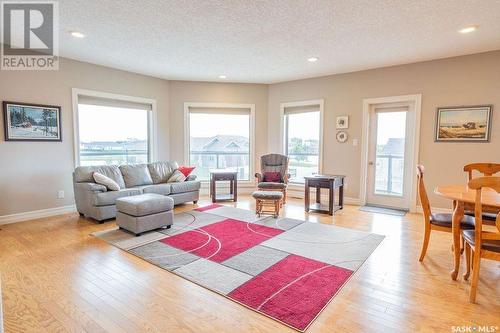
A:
(307, 103)
(152, 119)
(187, 134)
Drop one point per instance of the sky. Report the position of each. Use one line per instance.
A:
(304, 125)
(461, 117)
(207, 125)
(103, 123)
(390, 125)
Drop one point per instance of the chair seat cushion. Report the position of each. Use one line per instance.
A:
(486, 216)
(187, 186)
(269, 185)
(110, 197)
(267, 195)
(490, 245)
(445, 220)
(144, 204)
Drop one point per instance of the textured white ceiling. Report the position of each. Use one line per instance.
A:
(269, 41)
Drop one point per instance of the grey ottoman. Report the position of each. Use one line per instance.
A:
(145, 212)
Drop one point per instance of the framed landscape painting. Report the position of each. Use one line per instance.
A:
(31, 122)
(464, 123)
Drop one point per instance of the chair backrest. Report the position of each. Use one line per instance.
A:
(424, 200)
(274, 163)
(487, 169)
(478, 184)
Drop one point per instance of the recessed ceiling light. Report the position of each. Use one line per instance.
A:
(77, 34)
(467, 30)
(312, 59)
(222, 76)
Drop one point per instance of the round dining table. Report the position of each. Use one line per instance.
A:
(464, 199)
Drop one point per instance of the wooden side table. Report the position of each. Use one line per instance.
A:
(330, 182)
(230, 176)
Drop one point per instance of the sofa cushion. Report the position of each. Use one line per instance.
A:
(106, 181)
(144, 204)
(187, 186)
(84, 174)
(109, 198)
(136, 175)
(161, 171)
(163, 189)
(176, 177)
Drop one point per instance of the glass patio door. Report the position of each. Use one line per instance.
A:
(388, 166)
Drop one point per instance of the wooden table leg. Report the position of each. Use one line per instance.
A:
(306, 196)
(458, 214)
(235, 190)
(341, 196)
(213, 186)
(331, 199)
(318, 194)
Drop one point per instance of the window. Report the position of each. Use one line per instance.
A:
(302, 141)
(219, 139)
(112, 132)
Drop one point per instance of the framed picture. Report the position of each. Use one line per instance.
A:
(464, 123)
(342, 122)
(341, 136)
(31, 122)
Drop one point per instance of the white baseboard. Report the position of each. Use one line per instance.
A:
(36, 214)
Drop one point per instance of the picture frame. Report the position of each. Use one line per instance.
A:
(342, 122)
(463, 123)
(31, 122)
(341, 136)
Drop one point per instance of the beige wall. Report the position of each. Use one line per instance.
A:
(468, 80)
(33, 172)
(206, 92)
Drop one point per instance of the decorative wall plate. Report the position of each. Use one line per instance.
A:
(342, 122)
(341, 136)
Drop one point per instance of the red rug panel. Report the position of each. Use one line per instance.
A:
(222, 240)
(293, 290)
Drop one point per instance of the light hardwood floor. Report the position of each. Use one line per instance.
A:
(55, 277)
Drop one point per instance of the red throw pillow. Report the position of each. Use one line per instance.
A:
(186, 170)
(272, 177)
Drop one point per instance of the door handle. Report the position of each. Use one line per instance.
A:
(370, 163)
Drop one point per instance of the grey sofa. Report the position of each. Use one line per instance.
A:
(96, 201)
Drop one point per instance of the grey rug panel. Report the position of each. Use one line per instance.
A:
(126, 240)
(383, 210)
(255, 260)
(279, 223)
(164, 255)
(191, 220)
(236, 213)
(213, 275)
(337, 246)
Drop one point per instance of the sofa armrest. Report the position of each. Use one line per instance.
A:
(91, 187)
(259, 177)
(191, 177)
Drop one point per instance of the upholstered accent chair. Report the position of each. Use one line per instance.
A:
(273, 164)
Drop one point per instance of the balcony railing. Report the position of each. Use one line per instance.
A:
(206, 161)
(389, 174)
(302, 165)
(108, 157)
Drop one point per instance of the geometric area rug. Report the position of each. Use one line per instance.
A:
(284, 268)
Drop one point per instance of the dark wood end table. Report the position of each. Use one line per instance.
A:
(230, 176)
(330, 182)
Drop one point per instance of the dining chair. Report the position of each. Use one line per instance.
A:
(479, 243)
(486, 169)
(441, 221)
